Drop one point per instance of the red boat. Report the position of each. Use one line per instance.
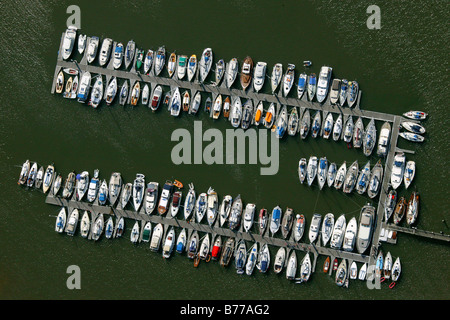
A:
(335, 264)
(215, 253)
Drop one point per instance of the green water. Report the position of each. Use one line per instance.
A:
(401, 67)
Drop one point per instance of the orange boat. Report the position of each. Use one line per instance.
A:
(178, 184)
(326, 265)
(259, 112)
(226, 107)
(186, 101)
(246, 73)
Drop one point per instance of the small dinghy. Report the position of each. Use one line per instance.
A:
(61, 220)
(279, 260)
(291, 268)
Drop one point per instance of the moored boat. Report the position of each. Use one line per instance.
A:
(225, 209)
(61, 220)
(365, 229)
(246, 72)
(288, 79)
(192, 67)
(413, 208)
(277, 74)
(260, 75)
(416, 115)
(291, 268)
(314, 227)
(323, 83)
(232, 71)
(275, 220)
(205, 64)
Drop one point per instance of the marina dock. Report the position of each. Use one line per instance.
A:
(302, 104)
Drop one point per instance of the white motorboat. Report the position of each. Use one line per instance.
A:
(236, 113)
(84, 87)
(49, 176)
(323, 83)
(169, 243)
(81, 43)
(94, 186)
(322, 172)
(338, 232)
(109, 229)
(259, 75)
(252, 259)
(396, 270)
(369, 138)
(164, 200)
(311, 170)
(302, 169)
(351, 178)
(314, 227)
(85, 225)
(72, 222)
(225, 208)
(316, 124)
(217, 107)
(299, 227)
(160, 60)
(148, 61)
(277, 74)
(305, 124)
(328, 126)
(413, 208)
(195, 105)
(156, 98)
(232, 71)
(192, 67)
(365, 229)
(348, 130)
(182, 66)
(249, 214)
(350, 235)
(279, 261)
(343, 92)
(212, 206)
(275, 220)
(138, 191)
(103, 193)
(291, 268)
(293, 122)
(120, 227)
(414, 137)
(352, 94)
(363, 179)
(205, 63)
(413, 127)
(327, 228)
(61, 220)
(156, 237)
(176, 203)
(341, 273)
(175, 103)
(263, 259)
(416, 115)
(236, 212)
(181, 241)
(362, 272)
(340, 176)
(305, 268)
(410, 171)
(203, 251)
(331, 175)
(105, 51)
(115, 185)
(312, 86)
(92, 49)
(98, 227)
(281, 123)
(387, 266)
(135, 232)
(69, 41)
(97, 92)
(383, 139)
(189, 202)
(398, 170)
(82, 184)
(353, 271)
(201, 206)
(301, 85)
(118, 56)
(111, 91)
(288, 79)
(145, 95)
(57, 185)
(335, 90)
(126, 194)
(130, 51)
(375, 180)
(24, 172)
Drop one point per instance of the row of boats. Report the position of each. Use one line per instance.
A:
(231, 210)
(207, 248)
(251, 74)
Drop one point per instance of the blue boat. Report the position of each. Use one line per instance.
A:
(275, 220)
